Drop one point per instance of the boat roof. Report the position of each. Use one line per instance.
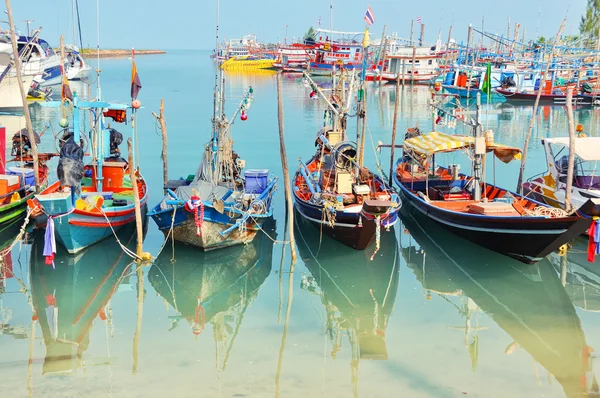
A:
(587, 148)
(436, 142)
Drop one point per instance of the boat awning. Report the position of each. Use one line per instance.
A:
(587, 148)
(436, 142)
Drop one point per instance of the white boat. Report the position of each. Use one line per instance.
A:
(399, 65)
(76, 67)
(10, 94)
(551, 186)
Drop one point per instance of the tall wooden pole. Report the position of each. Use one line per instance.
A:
(571, 125)
(284, 165)
(380, 53)
(412, 26)
(535, 108)
(136, 200)
(422, 37)
(394, 127)
(17, 63)
(163, 128)
(140, 312)
(412, 72)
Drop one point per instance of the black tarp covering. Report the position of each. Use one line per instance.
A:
(70, 165)
(116, 139)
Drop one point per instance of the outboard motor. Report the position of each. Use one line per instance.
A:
(70, 164)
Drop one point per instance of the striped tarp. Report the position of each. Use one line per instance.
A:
(435, 142)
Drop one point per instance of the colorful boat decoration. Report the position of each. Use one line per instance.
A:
(90, 203)
(528, 302)
(495, 218)
(337, 193)
(220, 205)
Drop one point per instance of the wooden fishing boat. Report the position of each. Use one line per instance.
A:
(248, 62)
(345, 53)
(340, 196)
(550, 187)
(528, 302)
(558, 97)
(294, 57)
(221, 205)
(482, 213)
(204, 285)
(358, 293)
(68, 297)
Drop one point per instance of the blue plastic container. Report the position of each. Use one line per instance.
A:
(256, 181)
(26, 174)
(449, 78)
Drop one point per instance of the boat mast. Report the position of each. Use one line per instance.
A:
(479, 151)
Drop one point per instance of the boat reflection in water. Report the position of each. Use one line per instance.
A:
(70, 296)
(527, 301)
(215, 287)
(358, 294)
(580, 277)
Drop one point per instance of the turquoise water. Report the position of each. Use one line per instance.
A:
(430, 316)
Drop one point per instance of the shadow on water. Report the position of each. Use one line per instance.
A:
(215, 287)
(70, 296)
(527, 301)
(358, 294)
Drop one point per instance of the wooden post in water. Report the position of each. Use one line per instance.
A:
(422, 35)
(140, 312)
(412, 72)
(535, 108)
(394, 127)
(571, 125)
(17, 63)
(284, 166)
(136, 200)
(163, 128)
(403, 71)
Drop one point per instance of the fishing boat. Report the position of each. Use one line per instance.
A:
(221, 205)
(248, 62)
(493, 217)
(91, 202)
(213, 287)
(346, 52)
(528, 302)
(76, 67)
(550, 186)
(357, 293)
(294, 57)
(70, 296)
(10, 94)
(338, 194)
(555, 96)
(399, 65)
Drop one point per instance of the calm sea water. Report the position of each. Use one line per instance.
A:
(430, 316)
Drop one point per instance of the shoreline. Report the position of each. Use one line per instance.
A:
(92, 52)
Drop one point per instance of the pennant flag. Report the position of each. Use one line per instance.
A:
(66, 89)
(487, 82)
(369, 17)
(136, 85)
(419, 20)
(366, 39)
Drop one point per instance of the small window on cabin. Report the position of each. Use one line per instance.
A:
(528, 76)
(430, 62)
(357, 50)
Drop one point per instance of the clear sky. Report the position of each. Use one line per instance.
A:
(190, 24)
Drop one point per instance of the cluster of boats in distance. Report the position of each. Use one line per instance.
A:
(225, 204)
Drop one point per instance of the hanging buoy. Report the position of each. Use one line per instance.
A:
(136, 104)
(312, 94)
(437, 86)
(146, 256)
(63, 122)
(244, 116)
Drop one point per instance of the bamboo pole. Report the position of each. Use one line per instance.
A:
(535, 108)
(422, 35)
(394, 127)
(448, 44)
(284, 165)
(380, 51)
(17, 63)
(136, 200)
(412, 26)
(403, 71)
(163, 128)
(361, 155)
(286, 325)
(571, 125)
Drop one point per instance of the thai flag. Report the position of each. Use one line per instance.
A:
(369, 17)
(419, 20)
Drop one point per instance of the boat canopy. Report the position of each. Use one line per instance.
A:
(587, 148)
(436, 142)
